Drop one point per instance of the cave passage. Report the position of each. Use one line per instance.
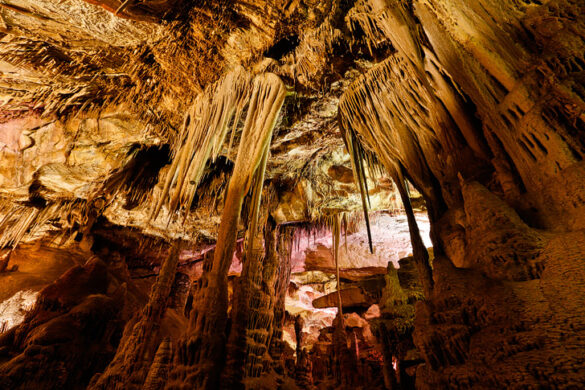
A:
(312, 300)
(292, 194)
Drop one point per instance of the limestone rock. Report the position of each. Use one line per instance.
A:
(350, 298)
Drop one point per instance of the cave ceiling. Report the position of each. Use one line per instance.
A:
(92, 90)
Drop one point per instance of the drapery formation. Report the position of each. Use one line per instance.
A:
(214, 114)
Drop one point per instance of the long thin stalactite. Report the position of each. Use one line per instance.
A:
(375, 120)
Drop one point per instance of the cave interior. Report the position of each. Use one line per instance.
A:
(292, 194)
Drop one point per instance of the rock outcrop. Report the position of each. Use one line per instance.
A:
(71, 332)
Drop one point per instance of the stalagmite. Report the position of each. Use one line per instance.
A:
(130, 366)
(254, 310)
(342, 354)
(159, 370)
(284, 251)
(238, 348)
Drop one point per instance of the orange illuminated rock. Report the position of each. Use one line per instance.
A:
(350, 298)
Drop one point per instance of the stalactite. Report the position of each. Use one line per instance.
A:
(129, 368)
(22, 221)
(357, 162)
(313, 52)
(345, 227)
(205, 128)
(388, 20)
(393, 112)
(336, 230)
(201, 355)
(374, 114)
(256, 198)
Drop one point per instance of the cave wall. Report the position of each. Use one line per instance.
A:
(481, 107)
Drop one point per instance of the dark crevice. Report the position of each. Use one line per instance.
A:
(282, 47)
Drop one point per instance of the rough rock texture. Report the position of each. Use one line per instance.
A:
(127, 127)
(350, 298)
(130, 366)
(161, 365)
(485, 328)
(38, 265)
(63, 340)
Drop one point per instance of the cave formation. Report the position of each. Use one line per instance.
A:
(292, 194)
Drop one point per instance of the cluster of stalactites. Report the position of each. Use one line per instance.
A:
(399, 111)
(215, 113)
(23, 221)
(407, 108)
(388, 113)
(202, 353)
(386, 21)
(392, 111)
